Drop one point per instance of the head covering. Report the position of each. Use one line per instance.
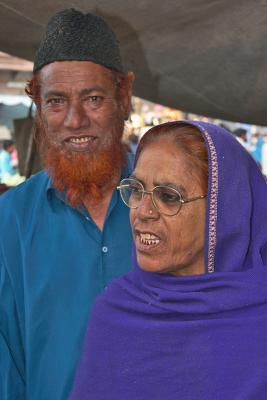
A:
(72, 35)
(194, 337)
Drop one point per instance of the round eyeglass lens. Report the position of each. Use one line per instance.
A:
(167, 200)
(131, 192)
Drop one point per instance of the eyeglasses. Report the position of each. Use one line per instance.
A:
(167, 200)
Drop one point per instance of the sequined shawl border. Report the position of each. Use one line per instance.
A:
(213, 170)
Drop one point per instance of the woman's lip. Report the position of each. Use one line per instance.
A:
(146, 246)
(145, 231)
(146, 241)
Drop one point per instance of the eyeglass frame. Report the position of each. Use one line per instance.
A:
(150, 192)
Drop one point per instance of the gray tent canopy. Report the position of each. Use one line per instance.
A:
(200, 56)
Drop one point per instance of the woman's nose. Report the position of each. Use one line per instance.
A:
(146, 208)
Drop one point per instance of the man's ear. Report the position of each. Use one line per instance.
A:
(127, 94)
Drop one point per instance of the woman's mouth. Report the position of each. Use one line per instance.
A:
(146, 241)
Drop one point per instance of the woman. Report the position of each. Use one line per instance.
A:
(190, 320)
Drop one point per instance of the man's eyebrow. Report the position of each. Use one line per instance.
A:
(89, 91)
(84, 92)
(51, 93)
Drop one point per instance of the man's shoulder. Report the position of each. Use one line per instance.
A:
(128, 165)
(130, 159)
(24, 195)
(35, 183)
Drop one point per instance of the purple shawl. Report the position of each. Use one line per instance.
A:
(203, 337)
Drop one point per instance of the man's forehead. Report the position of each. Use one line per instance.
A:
(75, 72)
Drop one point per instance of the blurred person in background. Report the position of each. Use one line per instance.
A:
(241, 136)
(133, 142)
(6, 168)
(257, 144)
(11, 148)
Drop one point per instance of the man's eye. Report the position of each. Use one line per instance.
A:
(95, 100)
(55, 100)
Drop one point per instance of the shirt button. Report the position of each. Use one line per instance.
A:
(88, 218)
(104, 249)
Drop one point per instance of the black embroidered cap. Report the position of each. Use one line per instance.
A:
(71, 35)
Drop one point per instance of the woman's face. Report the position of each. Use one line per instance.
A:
(167, 244)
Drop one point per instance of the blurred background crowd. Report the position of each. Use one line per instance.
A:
(18, 155)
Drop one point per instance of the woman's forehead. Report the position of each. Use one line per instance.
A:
(163, 162)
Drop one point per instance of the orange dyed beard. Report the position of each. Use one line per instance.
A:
(82, 176)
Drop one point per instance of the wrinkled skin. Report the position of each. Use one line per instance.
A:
(178, 241)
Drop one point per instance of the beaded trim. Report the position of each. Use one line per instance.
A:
(213, 200)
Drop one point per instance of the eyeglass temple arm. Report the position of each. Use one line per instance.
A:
(193, 199)
(121, 186)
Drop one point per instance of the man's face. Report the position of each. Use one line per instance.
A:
(80, 124)
(79, 106)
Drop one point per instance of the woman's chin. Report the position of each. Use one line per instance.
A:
(149, 264)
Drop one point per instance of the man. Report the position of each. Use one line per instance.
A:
(64, 234)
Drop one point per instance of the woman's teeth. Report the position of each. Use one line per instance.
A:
(148, 239)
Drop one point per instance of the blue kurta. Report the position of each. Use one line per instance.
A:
(54, 262)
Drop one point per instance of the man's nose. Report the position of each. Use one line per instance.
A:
(76, 117)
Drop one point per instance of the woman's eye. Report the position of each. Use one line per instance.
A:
(135, 189)
(167, 196)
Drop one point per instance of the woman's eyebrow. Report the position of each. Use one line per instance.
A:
(133, 176)
(180, 188)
